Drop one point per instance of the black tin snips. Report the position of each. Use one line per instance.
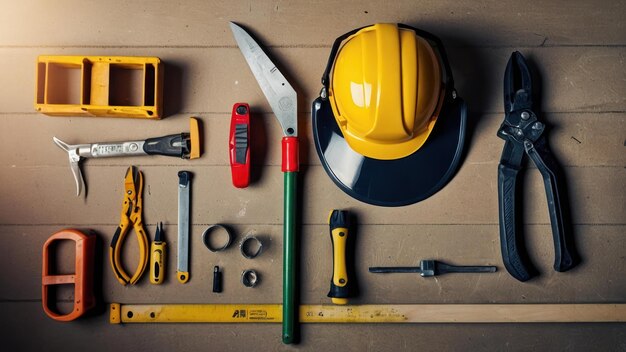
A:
(524, 133)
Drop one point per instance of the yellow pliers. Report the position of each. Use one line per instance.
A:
(131, 214)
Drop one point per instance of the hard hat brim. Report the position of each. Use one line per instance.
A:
(395, 182)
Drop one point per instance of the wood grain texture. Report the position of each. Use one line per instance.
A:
(315, 23)
(29, 321)
(215, 200)
(577, 48)
(601, 248)
(577, 139)
(208, 80)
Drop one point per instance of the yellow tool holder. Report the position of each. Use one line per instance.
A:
(115, 86)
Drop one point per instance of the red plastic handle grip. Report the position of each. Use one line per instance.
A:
(240, 125)
(291, 159)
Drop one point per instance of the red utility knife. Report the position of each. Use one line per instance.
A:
(239, 145)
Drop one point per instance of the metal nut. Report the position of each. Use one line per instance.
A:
(251, 246)
(249, 278)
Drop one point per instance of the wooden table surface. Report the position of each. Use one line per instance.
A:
(577, 46)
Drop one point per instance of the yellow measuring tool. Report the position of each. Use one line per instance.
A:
(374, 313)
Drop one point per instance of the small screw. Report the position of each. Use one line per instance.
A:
(525, 115)
(323, 93)
(537, 126)
(241, 110)
(520, 133)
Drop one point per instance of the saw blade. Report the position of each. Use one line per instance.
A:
(278, 92)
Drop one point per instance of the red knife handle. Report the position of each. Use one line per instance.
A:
(239, 145)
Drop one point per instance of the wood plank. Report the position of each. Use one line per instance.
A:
(203, 80)
(36, 194)
(318, 23)
(595, 280)
(25, 327)
(578, 139)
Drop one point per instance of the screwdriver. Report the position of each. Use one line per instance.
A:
(340, 286)
(431, 267)
(157, 256)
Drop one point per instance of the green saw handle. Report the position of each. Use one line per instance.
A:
(290, 168)
(289, 255)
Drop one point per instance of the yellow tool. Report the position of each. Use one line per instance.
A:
(157, 257)
(116, 86)
(131, 215)
(341, 287)
(370, 313)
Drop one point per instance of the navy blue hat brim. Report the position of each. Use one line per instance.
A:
(392, 182)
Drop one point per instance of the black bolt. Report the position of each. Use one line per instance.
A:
(217, 279)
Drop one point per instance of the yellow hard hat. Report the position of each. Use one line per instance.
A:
(388, 126)
(386, 90)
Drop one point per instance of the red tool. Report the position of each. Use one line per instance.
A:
(82, 279)
(239, 145)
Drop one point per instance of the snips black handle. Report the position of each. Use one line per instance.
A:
(549, 169)
(513, 252)
(512, 246)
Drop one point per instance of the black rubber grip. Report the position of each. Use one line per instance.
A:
(563, 256)
(339, 218)
(172, 145)
(513, 254)
(241, 142)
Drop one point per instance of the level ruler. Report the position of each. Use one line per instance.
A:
(374, 313)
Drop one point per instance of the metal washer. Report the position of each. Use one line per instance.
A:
(210, 230)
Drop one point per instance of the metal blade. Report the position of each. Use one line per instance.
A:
(278, 92)
(72, 152)
(158, 235)
(184, 185)
(517, 84)
(395, 269)
(78, 177)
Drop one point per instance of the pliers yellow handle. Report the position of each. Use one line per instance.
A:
(131, 214)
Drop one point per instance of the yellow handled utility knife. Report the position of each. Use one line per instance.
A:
(341, 285)
(157, 257)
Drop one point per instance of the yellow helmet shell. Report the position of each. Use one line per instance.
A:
(386, 91)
